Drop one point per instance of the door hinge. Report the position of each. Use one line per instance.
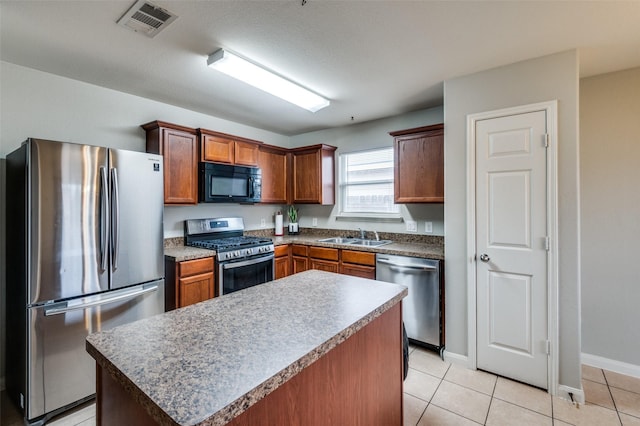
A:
(548, 347)
(546, 140)
(547, 243)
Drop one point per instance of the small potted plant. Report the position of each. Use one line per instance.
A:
(292, 212)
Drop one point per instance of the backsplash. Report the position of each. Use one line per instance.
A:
(435, 240)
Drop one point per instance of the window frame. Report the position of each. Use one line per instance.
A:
(342, 185)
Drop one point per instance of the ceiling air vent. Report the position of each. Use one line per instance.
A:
(147, 18)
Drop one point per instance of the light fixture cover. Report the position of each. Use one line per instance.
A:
(244, 70)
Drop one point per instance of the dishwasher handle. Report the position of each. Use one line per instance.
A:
(399, 267)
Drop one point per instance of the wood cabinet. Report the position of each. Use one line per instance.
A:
(324, 259)
(313, 169)
(282, 261)
(274, 163)
(299, 258)
(188, 282)
(179, 147)
(358, 263)
(223, 148)
(419, 165)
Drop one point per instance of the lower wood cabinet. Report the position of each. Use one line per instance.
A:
(282, 261)
(358, 263)
(188, 282)
(324, 259)
(299, 258)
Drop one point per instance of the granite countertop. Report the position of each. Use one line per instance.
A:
(207, 363)
(429, 249)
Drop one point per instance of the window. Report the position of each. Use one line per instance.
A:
(366, 183)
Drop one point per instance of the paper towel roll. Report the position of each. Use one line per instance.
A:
(279, 226)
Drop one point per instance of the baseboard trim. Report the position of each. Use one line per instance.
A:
(571, 394)
(455, 358)
(612, 365)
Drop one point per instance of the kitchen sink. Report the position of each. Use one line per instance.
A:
(355, 241)
(370, 243)
(338, 240)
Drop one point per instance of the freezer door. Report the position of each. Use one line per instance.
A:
(137, 203)
(67, 207)
(61, 372)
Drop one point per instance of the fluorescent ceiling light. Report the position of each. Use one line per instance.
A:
(237, 67)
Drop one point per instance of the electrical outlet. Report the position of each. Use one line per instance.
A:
(428, 227)
(263, 223)
(412, 226)
(314, 221)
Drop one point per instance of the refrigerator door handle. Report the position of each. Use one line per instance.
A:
(104, 219)
(115, 217)
(113, 296)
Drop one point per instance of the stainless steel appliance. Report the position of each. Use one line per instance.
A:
(224, 183)
(84, 224)
(241, 261)
(423, 308)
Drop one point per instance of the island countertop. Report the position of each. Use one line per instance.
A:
(207, 363)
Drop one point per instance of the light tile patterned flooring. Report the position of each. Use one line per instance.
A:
(439, 393)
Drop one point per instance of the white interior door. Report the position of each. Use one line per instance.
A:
(511, 247)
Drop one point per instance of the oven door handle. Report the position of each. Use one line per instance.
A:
(249, 262)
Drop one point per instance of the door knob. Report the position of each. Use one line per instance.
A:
(485, 257)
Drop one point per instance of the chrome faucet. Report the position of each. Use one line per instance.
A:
(377, 236)
(362, 233)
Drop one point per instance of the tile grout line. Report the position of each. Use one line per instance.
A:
(434, 394)
(611, 395)
(493, 392)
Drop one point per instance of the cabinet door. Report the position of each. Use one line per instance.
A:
(246, 154)
(419, 166)
(275, 169)
(217, 149)
(314, 175)
(299, 264)
(180, 167)
(195, 289)
(324, 265)
(283, 267)
(358, 270)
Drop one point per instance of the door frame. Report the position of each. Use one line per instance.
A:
(551, 110)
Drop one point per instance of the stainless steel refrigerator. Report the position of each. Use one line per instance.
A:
(84, 254)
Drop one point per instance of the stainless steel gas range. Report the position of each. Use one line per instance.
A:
(241, 261)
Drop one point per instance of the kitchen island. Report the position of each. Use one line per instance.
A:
(312, 348)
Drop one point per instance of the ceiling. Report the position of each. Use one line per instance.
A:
(372, 59)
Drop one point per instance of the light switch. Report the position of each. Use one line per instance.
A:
(428, 227)
(263, 223)
(412, 226)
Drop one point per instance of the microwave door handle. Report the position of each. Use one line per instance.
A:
(250, 181)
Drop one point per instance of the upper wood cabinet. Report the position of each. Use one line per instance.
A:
(179, 147)
(274, 163)
(313, 174)
(223, 148)
(419, 164)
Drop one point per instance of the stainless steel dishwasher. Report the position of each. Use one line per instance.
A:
(422, 308)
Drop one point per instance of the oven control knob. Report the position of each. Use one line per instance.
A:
(249, 251)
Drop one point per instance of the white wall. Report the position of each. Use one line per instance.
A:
(610, 215)
(543, 79)
(371, 135)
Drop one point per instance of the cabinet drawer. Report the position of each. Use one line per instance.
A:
(358, 257)
(299, 250)
(281, 251)
(323, 253)
(323, 265)
(192, 267)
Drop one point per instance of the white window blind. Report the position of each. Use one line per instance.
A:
(366, 182)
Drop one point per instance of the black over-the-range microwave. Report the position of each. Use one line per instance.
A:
(224, 183)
